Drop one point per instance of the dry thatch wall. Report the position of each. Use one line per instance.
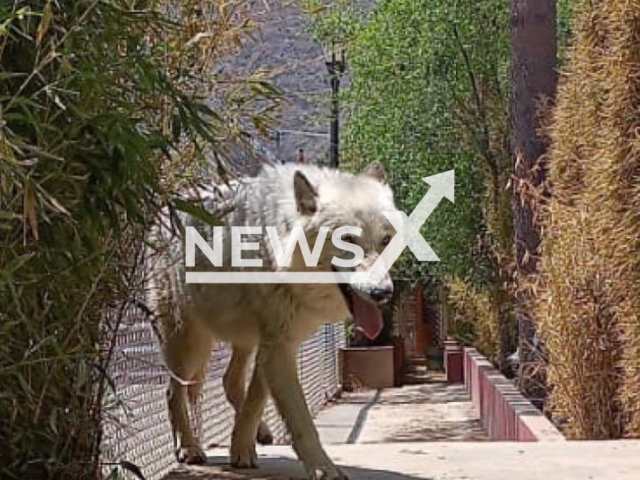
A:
(589, 302)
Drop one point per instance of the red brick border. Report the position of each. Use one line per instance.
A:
(504, 412)
(453, 362)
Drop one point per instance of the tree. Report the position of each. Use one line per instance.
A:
(534, 77)
(428, 92)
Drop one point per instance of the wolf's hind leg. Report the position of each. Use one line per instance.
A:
(186, 353)
(189, 451)
(234, 382)
(234, 379)
(194, 391)
(243, 438)
(264, 435)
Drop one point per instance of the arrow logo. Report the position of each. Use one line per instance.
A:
(408, 228)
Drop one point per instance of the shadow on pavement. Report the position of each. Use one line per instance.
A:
(427, 394)
(274, 468)
(458, 431)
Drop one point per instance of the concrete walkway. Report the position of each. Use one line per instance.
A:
(429, 412)
(427, 432)
(444, 461)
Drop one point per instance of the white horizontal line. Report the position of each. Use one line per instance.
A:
(275, 277)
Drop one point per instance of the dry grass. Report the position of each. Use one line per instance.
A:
(589, 295)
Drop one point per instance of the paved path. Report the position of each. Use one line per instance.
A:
(444, 461)
(430, 412)
(427, 432)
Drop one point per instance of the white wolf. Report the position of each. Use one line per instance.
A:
(271, 320)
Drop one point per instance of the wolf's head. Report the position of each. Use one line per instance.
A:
(333, 200)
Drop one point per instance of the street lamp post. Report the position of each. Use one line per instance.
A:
(336, 67)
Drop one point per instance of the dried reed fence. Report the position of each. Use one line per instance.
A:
(589, 293)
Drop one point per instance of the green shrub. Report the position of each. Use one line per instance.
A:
(428, 93)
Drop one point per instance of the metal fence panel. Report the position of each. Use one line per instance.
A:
(137, 426)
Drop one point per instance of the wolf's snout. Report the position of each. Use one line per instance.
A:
(381, 295)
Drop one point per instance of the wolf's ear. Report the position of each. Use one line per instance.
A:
(306, 195)
(376, 170)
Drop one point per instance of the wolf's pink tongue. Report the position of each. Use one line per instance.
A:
(367, 316)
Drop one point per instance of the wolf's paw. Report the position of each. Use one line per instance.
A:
(326, 472)
(243, 456)
(264, 436)
(193, 455)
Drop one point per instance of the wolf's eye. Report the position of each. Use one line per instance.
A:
(386, 240)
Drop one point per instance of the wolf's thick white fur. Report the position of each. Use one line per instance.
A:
(268, 321)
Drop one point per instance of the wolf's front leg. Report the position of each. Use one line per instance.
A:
(278, 361)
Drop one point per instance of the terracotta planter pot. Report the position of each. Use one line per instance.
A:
(367, 367)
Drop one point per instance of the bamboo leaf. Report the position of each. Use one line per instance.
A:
(197, 211)
(45, 22)
(16, 264)
(29, 212)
